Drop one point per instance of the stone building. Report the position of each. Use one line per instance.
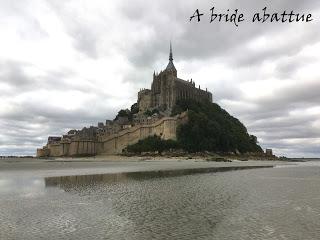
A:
(53, 139)
(167, 89)
(89, 142)
(115, 135)
(269, 152)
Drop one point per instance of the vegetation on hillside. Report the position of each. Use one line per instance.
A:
(128, 113)
(134, 108)
(152, 144)
(209, 128)
(150, 113)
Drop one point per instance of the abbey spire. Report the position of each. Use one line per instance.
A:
(170, 65)
(170, 55)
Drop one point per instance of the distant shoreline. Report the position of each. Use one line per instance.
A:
(35, 167)
(152, 156)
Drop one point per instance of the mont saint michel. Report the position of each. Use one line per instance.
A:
(174, 114)
(151, 115)
(159, 120)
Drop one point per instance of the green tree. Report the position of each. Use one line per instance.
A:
(211, 128)
(134, 108)
(152, 144)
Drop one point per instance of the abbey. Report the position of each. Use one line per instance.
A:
(151, 115)
(167, 89)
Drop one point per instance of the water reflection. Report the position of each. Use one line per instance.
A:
(150, 205)
(90, 180)
(84, 180)
(279, 203)
(21, 186)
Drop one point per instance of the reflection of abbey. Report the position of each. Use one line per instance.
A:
(150, 116)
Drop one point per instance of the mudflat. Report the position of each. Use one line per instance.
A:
(113, 164)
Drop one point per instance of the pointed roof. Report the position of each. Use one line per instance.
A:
(170, 65)
(170, 54)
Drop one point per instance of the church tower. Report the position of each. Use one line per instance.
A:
(170, 67)
(167, 89)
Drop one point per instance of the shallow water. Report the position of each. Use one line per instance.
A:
(278, 203)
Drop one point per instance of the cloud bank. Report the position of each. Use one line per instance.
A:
(70, 64)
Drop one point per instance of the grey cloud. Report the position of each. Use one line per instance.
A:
(225, 92)
(271, 51)
(161, 21)
(281, 116)
(284, 122)
(43, 113)
(289, 67)
(30, 28)
(191, 40)
(203, 40)
(85, 33)
(14, 74)
(283, 148)
(18, 130)
(281, 102)
(85, 39)
(145, 55)
(289, 129)
(300, 94)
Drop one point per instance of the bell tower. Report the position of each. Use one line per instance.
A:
(170, 67)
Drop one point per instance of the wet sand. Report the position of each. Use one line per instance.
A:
(116, 164)
(158, 199)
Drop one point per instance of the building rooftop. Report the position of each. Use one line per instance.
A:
(170, 65)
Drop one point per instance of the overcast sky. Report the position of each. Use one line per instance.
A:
(69, 64)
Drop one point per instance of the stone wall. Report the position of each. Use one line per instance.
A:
(144, 100)
(43, 152)
(115, 143)
(187, 90)
(55, 149)
(82, 148)
(165, 127)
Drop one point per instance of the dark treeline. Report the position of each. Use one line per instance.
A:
(209, 128)
(153, 144)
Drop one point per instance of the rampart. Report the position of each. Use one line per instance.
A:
(115, 143)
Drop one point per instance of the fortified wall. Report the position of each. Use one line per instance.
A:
(114, 143)
(150, 117)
